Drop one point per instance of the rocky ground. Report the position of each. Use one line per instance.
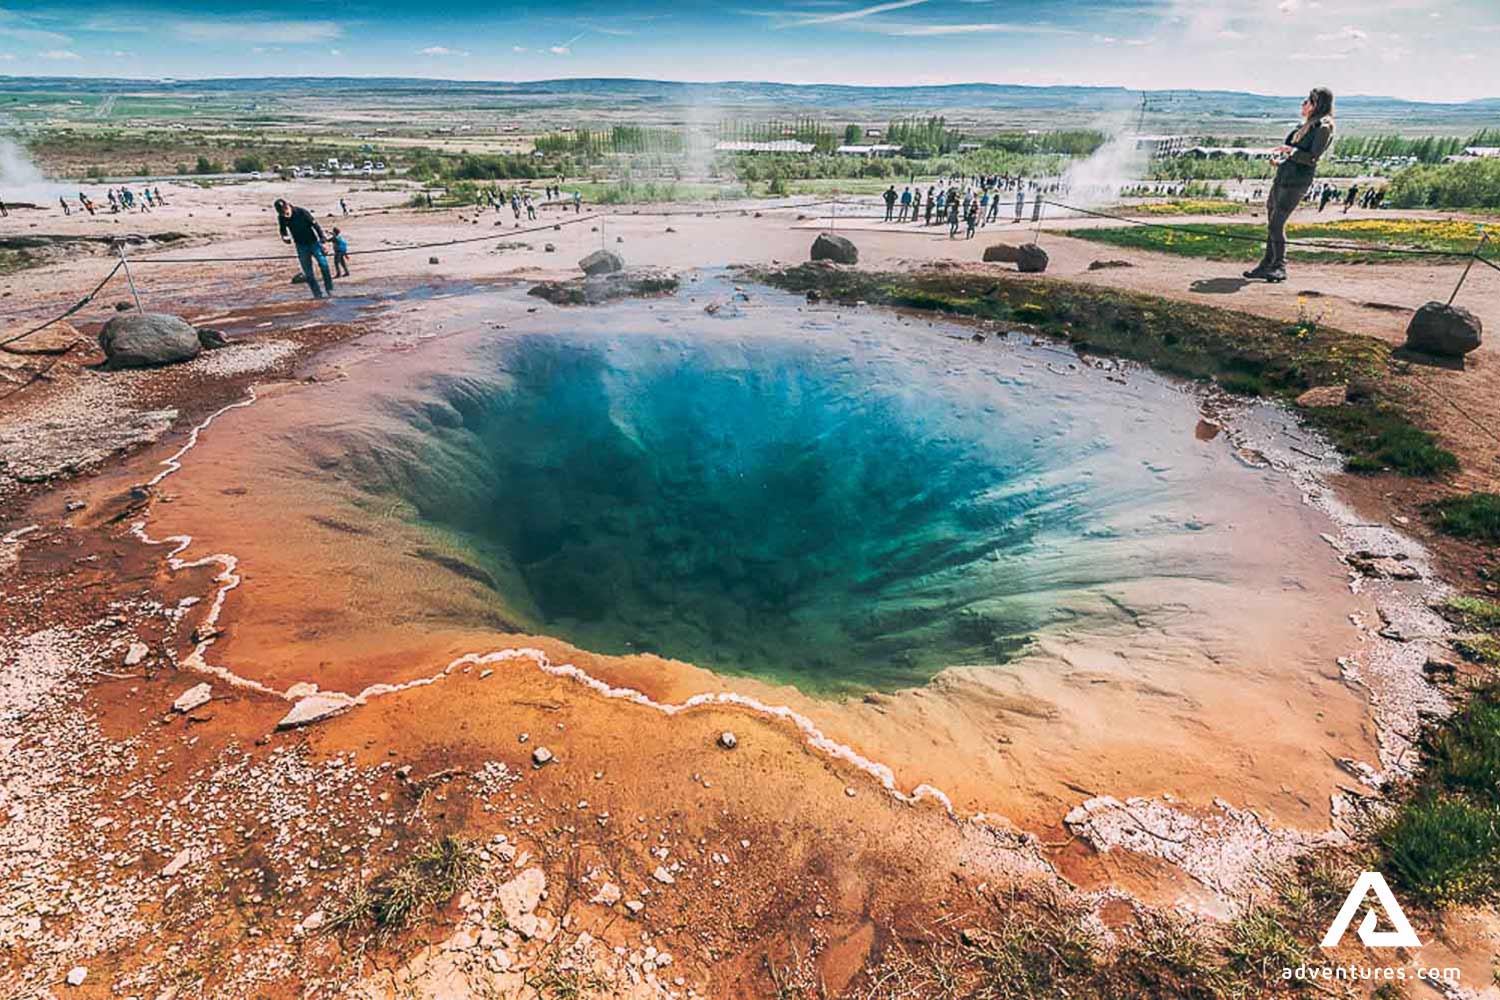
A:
(487, 836)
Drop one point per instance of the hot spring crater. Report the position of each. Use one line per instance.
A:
(771, 494)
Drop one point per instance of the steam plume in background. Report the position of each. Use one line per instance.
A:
(20, 180)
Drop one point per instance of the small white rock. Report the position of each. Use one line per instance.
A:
(727, 740)
(194, 697)
(177, 864)
(133, 656)
(76, 975)
(541, 756)
(663, 876)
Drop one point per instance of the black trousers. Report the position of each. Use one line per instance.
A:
(1286, 194)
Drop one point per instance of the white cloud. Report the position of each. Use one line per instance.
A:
(518, 48)
(854, 15)
(7, 57)
(978, 28)
(59, 55)
(335, 52)
(254, 30)
(559, 50)
(32, 36)
(441, 50)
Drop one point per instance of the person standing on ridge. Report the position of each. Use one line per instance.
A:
(298, 227)
(890, 203)
(1295, 169)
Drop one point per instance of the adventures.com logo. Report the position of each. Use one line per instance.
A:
(1384, 911)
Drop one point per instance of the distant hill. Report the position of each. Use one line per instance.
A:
(1031, 106)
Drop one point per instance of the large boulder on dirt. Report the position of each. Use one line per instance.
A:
(1443, 330)
(601, 262)
(1027, 257)
(835, 248)
(140, 340)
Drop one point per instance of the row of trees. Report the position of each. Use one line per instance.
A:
(1426, 149)
(1471, 184)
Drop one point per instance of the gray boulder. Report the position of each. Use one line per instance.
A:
(601, 262)
(1027, 257)
(1445, 331)
(835, 248)
(141, 340)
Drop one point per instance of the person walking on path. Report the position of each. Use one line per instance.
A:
(927, 219)
(905, 205)
(890, 203)
(1297, 166)
(4, 212)
(340, 254)
(343, 207)
(298, 227)
(1325, 197)
(916, 206)
(1020, 201)
(64, 203)
(1349, 197)
(952, 216)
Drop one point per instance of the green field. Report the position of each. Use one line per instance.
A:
(1351, 241)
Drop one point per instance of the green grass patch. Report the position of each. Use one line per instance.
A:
(1473, 612)
(1443, 842)
(1475, 516)
(1463, 756)
(1181, 206)
(1380, 437)
(1479, 648)
(1444, 849)
(1360, 240)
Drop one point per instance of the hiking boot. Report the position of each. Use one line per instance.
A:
(1257, 272)
(1275, 275)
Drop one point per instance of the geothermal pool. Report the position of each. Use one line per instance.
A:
(835, 515)
(994, 566)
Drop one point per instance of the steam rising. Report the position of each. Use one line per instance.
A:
(20, 180)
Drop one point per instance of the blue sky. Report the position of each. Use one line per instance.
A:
(1422, 49)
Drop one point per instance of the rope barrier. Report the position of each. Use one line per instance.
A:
(76, 306)
(416, 246)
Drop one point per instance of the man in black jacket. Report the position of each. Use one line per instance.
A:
(298, 227)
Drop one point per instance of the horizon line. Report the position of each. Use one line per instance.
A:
(713, 83)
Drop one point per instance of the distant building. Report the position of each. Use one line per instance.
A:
(879, 149)
(1221, 152)
(1482, 152)
(1162, 145)
(775, 146)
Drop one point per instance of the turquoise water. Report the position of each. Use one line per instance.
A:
(777, 496)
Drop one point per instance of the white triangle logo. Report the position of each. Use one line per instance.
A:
(1402, 937)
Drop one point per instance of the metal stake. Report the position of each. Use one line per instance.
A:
(1483, 238)
(120, 249)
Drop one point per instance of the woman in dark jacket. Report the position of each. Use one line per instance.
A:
(1297, 162)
